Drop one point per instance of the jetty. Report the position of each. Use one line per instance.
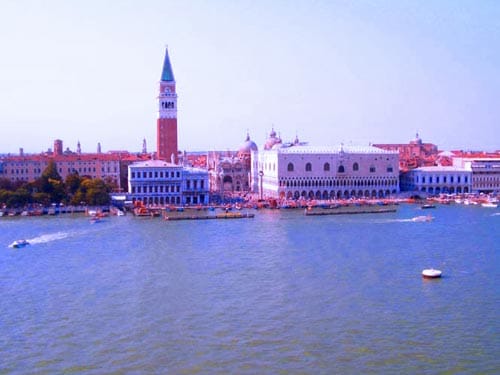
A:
(349, 209)
(204, 214)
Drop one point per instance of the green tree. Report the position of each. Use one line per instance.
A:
(20, 198)
(50, 172)
(5, 196)
(72, 183)
(97, 192)
(50, 182)
(42, 198)
(6, 184)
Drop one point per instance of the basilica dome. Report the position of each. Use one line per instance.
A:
(272, 140)
(248, 146)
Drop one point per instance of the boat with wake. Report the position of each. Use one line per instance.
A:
(19, 244)
(422, 218)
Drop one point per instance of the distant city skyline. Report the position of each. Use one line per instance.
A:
(328, 72)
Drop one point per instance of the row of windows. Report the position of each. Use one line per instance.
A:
(167, 105)
(487, 179)
(170, 200)
(158, 200)
(23, 171)
(444, 180)
(298, 183)
(44, 165)
(340, 169)
(332, 194)
(194, 184)
(70, 170)
(156, 189)
(445, 190)
(156, 174)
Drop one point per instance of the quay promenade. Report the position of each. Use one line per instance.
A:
(52, 210)
(360, 205)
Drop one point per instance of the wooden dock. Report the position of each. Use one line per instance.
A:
(203, 215)
(350, 209)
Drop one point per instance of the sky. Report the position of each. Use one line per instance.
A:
(327, 72)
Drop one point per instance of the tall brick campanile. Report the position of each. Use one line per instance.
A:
(166, 129)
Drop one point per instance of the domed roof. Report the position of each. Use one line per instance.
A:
(416, 141)
(248, 146)
(272, 140)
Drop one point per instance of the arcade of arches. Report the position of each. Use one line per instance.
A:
(337, 188)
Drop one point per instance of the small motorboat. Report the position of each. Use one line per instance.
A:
(19, 243)
(431, 273)
(422, 218)
(427, 206)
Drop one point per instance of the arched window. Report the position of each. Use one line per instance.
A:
(290, 167)
(308, 167)
(355, 167)
(326, 167)
(341, 169)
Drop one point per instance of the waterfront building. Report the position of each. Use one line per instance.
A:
(157, 182)
(294, 170)
(166, 131)
(107, 166)
(413, 154)
(437, 180)
(485, 168)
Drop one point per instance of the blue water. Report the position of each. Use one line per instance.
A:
(280, 293)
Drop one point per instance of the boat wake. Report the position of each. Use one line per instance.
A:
(412, 220)
(44, 238)
(496, 214)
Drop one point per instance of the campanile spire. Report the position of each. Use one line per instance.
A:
(166, 131)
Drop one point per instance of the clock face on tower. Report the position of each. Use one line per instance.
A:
(167, 90)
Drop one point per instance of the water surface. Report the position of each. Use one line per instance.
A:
(280, 293)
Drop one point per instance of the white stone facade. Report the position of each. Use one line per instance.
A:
(296, 170)
(438, 180)
(160, 183)
(485, 173)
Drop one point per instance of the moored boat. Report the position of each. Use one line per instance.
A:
(431, 273)
(489, 205)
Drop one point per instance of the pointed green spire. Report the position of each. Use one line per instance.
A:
(167, 74)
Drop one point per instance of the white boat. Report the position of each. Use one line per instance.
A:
(431, 273)
(19, 243)
(422, 218)
(489, 205)
(427, 206)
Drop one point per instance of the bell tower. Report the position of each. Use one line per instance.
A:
(166, 128)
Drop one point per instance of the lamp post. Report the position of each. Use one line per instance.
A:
(261, 175)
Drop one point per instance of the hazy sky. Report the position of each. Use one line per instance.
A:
(327, 71)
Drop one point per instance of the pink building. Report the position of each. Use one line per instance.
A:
(112, 165)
